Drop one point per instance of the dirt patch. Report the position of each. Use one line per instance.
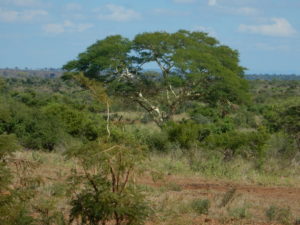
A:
(255, 198)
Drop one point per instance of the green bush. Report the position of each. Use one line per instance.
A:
(239, 212)
(282, 145)
(109, 192)
(35, 130)
(158, 141)
(31, 98)
(204, 115)
(76, 123)
(185, 134)
(246, 144)
(201, 206)
(271, 117)
(279, 214)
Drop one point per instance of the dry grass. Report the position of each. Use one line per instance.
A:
(172, 197)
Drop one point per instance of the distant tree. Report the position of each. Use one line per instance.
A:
(193, 66)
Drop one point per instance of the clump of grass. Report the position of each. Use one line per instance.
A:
(201, 206)
(279, 214)
(239, 212)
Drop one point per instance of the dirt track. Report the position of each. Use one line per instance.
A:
(202, 184)
(259, 197)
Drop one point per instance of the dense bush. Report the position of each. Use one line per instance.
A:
(282, 145)
(185, 134)
(247, 144)
(35, 130)
(42, 125)
(201, 206)
(159, 141)
(76, 123)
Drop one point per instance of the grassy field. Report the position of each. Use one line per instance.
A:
(224, 194)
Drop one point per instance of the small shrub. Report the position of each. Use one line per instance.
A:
(281, 215)
(109, 192)
(158, 141)
(201, 206)
(186, 134)
(239, 212)
(282, 145)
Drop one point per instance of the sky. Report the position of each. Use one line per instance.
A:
(49, 33)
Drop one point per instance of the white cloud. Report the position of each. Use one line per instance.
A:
(212, 2)
(20, 16)
(247, 11)
(269, 47)
(83, 26)
(54, 28)
(73, 7)
(117, 13)
(280, 28)
(184, 1)
(29, 15)
(66, 26)
(8, 15)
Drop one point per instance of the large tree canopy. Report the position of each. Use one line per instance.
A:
(193, 65)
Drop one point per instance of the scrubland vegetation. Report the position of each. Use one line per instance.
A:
(110, 143)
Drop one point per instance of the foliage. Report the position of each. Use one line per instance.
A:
(282, 145)
(109, 191)
(105, 57)
(158, 141)
(239, 212)
(201, 206)
(185, 134)
(76, 123)
(194, 67)
(279, 214)
(290, 120)
(233, 143)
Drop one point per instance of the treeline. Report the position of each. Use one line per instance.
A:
(272, 77)
(23, 73)
(52, 73)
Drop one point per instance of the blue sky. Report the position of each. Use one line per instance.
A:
(44, 33)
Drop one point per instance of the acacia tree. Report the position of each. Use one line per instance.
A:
(193, 66)
(108, 192)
